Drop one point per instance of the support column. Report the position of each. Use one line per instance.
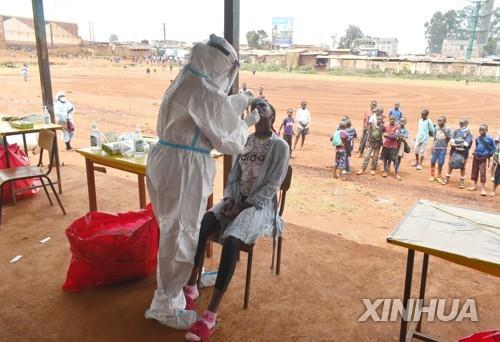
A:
(232, 35)
(43, 56)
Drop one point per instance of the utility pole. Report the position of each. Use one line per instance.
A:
(473, 32)
(232, 35)
(164, 36)
(90, 34)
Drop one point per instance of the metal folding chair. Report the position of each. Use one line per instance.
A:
(46, 140)
(249, 248)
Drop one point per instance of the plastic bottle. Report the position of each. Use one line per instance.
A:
(95, 138)
(138, 144)
(46, 116)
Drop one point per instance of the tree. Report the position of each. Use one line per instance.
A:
(455, 24)
(257, 39)
(435, 32)
(352, 33)
(491, 48)
(113, 38)
(145, 41)
(252, 39)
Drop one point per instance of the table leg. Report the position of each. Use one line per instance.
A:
(58, 164)
(406, 295)
(7, 165)
(25, 144)
(423, 283)
(142, 191)
(209, 250)
(89, 165)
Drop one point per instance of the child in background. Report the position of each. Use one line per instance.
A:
(403, 137)
(374, 144)
(340, 140)
(485, 148)
(496, 164)
(353, 135)
(24, 72)
(287, 124)
(391, 147)
(461, 142)
(442, 136)
(364, 136)
(425, 131)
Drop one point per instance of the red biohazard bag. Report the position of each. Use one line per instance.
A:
(485, 336)
(17, 158)
(111, 248)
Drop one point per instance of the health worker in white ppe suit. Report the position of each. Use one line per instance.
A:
(64, 110)
(196, 115)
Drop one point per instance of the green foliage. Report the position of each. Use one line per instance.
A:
(305, 70)
(439, 27)
(491, 47)
(455, 24)
(145, 41)
(258, 39)
(408, 76)
(113, 38)
(352, 33)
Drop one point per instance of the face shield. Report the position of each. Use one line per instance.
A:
(60, 96)
(225, 48)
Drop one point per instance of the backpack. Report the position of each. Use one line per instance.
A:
(431, 129)
(336, 139)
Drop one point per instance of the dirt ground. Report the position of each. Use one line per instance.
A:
(335, 250)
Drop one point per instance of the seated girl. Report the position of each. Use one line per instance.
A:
(247, 212)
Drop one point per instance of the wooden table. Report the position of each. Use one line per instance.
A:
(131, 165)
(463, 236)
(6, 130)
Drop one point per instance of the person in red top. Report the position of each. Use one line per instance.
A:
(390, 147)
(366, 118)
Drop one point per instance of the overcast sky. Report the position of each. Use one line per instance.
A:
(315, 21)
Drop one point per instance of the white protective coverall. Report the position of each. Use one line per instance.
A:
(195, 116)
(63, 110)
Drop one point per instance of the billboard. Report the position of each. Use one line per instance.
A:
(282, 31)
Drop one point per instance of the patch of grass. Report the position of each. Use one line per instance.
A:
(404, 74)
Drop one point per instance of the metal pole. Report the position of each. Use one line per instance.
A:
(164, 36)
(423, 284)
(43, 56)
(406, 295)
(232, 35)
(475, 18)
(44, 69)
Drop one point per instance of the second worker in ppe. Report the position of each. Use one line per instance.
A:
(64, 110)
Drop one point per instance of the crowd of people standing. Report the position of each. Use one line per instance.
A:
(386, 139)
(389, 142)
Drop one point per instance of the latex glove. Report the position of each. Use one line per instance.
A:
(252, 118)
(466, 144)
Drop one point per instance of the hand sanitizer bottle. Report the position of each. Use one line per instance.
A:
(46, 116)
(138, 144)
(95, 138)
